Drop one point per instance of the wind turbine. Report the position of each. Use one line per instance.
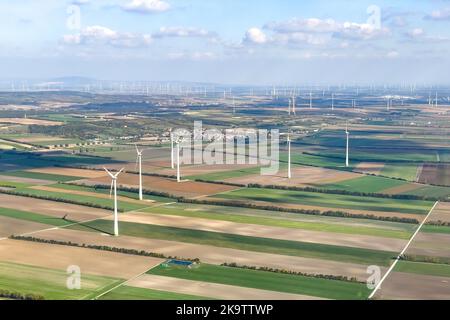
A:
(289, 155)
(139, 161)
(346, 149)
(178, 160)
(332, 101)
(114, 186)
(171, 150)
(293, 105)
(310, 100)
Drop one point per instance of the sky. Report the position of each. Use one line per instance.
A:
(258, 42)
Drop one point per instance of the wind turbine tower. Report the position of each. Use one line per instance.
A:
(310, 100)
(347, 145)
(289, 156)
(436, 99)
(139, 162)
(114, 187)
(293, 105)
(171, 150)
(178, 161)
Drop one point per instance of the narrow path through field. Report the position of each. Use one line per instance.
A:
(401, 253)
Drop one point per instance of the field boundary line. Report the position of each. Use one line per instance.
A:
(124, 282)
(397, 259)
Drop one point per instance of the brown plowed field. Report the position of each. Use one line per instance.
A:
(185, 188)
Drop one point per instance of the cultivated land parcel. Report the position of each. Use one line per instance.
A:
(249, 236)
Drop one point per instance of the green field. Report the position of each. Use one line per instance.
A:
(213, 213)
(296, 284)
(41, 176)
(432, 269)
(318, 161)
(369, 184)
(328, 200)
(435, 229)
(406, 171)
(430, 191)
(134, 293)
(82, 199)
(128, 194)
(219, 176)
(34, 217)
(14, 185)
(50, 283)
(276, 246)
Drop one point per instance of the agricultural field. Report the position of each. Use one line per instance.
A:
(224, 231)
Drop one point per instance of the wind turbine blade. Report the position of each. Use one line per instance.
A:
(115, 176)
(110, 174)
(137, 150)
(110, 190)
(136, 163)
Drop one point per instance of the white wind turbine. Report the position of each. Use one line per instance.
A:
(310, 100)
(347, 145)
(293, 105)
(332, 101)
(177, 143)
(289, 156)
(288, 141)
(139, 162)
(178, 161)
(114, 187)
(171, 150)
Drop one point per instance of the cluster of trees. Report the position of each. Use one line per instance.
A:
(329, 213)
(49, 198)
(321, 276)
(19, 296)
(103, 248)
(427, 259)
(239, 185)
(346, 192)
(439, 223)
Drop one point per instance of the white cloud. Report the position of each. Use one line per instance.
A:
(197, 56)
(256, 36)
(360, 31)
(80, 2)
(419, 35)
(416, 33)
(147, 6)
(392, 54)
(99, 35)
(304, 25)
(182, 32)
(301, 37)
(439, 15)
